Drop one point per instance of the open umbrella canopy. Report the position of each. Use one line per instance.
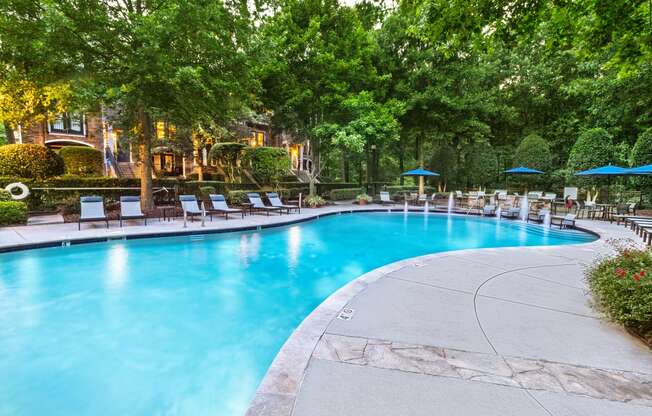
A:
(419, 172)
(522, 170)
(608, 170)
(641, 170)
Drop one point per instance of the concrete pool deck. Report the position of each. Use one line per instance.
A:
(486, 332)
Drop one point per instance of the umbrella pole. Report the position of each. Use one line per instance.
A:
(420, 185)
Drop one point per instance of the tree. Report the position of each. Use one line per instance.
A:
(184, 61)
(533, 152)
(642, 155)
(593, 148)
(228, 155)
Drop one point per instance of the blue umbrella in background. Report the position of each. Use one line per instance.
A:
(641, 170)
(420, 173)
(608, 171)
(521, 170)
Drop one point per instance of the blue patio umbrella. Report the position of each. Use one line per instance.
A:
(608, 171)
(641, 170)
(522, 170)
(420, 173)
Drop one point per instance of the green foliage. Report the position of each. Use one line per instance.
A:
(642, 155)
(533, 152)
(593, 148)
(622, 287)
(82, 161)
(344, 194)
(267, 164)
(314, 201)
(29, 161)
(363, 198)
(205, 191)
(227, 155)
(482, 165)
(12, 212)
(239, 196)
(5, 196)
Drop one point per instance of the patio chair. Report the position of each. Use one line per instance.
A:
(219, 205)
(92, 210)
(275, 200)
(567, 221)
(385, 198)
(538, 217)
(511, 213)
(258, 205)
(130, 209)
(489, 211)
(190, 206)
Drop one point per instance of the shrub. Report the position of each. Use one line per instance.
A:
(5, 196)
(363, 198)
(314, 201)
(205, 191)
(593, 148)
(228, 156)
(533, 152)
(622, 288)
(29, 161)
(642, 155)
(82, 161)
(239, 196)
(12, 212)
(267, 164)
(344, 194)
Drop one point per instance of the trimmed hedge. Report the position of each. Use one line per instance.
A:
(268, 164)
(5, 196)
(82, 160)
(622, 287)
(344, 194)
(29, 161)
(12, 212)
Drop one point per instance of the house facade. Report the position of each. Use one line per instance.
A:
(94, 130)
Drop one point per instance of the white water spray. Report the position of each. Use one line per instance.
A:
(451, 203)
(405, 208)
(525, 208)
(425, 206)
(546, 220)
(498, 212)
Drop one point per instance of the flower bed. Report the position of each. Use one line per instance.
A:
(622, 288)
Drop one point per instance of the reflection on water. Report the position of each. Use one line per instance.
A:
(182, 327)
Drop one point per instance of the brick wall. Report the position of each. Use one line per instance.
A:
(38, 133)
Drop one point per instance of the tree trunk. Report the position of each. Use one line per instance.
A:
(9, 132)
(145, 144)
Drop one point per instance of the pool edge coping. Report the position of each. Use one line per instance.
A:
(277, 392)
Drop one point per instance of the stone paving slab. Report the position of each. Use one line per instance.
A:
(414, 313)
(521, 288)
(366, 391)
(446, 273)
(526, 331)
(571, 275)
(566, 405)
(623, 386)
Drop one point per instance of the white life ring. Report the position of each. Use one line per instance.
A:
(24, 190)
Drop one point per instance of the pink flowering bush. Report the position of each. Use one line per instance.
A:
(622, 288)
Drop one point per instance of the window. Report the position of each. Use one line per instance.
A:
(257, 138)
(67, 123)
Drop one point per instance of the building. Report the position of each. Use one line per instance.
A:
(94, 130)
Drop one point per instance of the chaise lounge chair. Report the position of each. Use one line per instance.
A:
(190, 207)
(489, 211)
(258, 205)
(511, 213)
(567, 221)
(92, 210)
(130, 209)
(275, 200)
(219, 205)
(385, 198)
(538, 217)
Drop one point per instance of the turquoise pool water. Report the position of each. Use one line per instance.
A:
(188, 326)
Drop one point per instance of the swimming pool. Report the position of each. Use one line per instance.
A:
(189, 325)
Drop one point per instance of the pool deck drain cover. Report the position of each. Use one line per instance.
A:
(346, 314)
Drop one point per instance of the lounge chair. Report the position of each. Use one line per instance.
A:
(92, 210)
(190, 207)
(538, 217)
(130, 209)
(275, 200)
(489, 211)
(219, 205)
(511, 213)
(385, 198)
(258, 205)
(567, 221)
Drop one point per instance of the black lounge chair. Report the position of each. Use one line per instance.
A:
(258, 205)
(275, 200)
(130, 209)
(219, 205)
